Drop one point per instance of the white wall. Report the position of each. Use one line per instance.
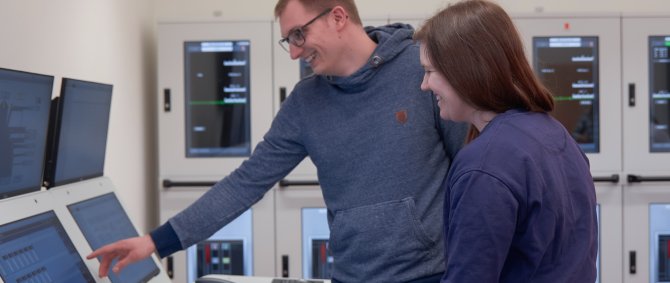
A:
(109, 41)
(381, 9)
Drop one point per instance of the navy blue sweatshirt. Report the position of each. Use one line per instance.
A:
(521, 205)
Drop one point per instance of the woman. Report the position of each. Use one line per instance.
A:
(520, 203)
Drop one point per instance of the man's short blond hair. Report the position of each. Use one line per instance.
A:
(318, 6)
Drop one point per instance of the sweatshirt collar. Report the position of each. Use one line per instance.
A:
(391, 40)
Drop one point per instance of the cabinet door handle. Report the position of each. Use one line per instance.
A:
(632, 264)
(287, 183)
(639, 179)
(631, 95)
(611, 179)
(170, 267)
(282, 95)
(169, 184)
(284, 266)
(167, 100)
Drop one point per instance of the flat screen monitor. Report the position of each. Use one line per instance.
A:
(217, 95)
(78, 136)
(37, 249)
(568, 66)
(103, 220)
(24, 118)
(659, 92)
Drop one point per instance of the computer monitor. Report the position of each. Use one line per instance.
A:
(24, 118)
(217, 88)
(37, 249)
(568, 67)
(78, 135)
(103, 220)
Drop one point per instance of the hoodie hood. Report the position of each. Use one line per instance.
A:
(391, 40)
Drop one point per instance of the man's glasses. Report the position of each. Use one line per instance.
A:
(296, 36)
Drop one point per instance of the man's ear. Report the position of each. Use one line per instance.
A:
(340, 16)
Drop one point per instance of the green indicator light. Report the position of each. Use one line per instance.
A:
(667, 43)
(204, 102)
(562, 98)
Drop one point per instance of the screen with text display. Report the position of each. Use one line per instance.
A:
(217, 98)
(103, 220)
(568, 67)
(25, 101)
(37, 249)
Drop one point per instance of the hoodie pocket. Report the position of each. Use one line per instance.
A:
(384, 240)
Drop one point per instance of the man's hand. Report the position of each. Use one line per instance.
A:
(126, 251)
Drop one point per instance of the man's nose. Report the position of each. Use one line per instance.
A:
(295, 51)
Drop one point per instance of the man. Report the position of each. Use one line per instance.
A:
(380, 147)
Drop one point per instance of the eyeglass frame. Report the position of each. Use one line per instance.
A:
(299, 32)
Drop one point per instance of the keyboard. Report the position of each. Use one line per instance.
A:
(287, 280)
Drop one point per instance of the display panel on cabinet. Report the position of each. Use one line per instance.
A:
(217, 88)
(568, 66)
(659, 94)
